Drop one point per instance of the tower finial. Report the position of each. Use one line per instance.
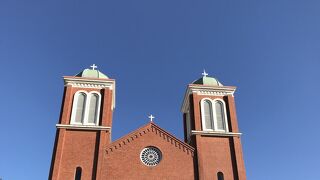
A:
(204, 74)
(93, 66)
(151, 117)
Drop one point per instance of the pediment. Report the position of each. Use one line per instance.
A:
(150, 129)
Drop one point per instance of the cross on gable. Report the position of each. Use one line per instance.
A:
(151, 117)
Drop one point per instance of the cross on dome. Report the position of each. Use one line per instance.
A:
(151, 117)
(205, 74)
(93, 66)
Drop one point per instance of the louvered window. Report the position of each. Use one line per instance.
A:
(208, 116)
(213, 115)
(93, 109)
(80, 108)
(219, 115)
(188, 126)
(86, 108)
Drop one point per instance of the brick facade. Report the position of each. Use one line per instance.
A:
(122, 160)
(217, 154)
(91, 148)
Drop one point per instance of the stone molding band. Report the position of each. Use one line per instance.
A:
(83, 127)
(214, 133)
(92, 83)
(205, 90)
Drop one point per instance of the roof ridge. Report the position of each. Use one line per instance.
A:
(172, 136)
(125, 136)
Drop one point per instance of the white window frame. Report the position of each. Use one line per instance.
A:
(86, 108)
(225, 119)
(188, 126)
(203, 115)
(214, 115)
(74, 107)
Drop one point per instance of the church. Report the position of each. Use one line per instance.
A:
(83, 150)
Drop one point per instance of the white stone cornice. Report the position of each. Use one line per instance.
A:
(215, 133)
(92, 83)
(82, 127)
(89, 83)
(205, 90)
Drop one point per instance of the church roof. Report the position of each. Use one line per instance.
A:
(92, 73)
(152, 128)
(209, 81)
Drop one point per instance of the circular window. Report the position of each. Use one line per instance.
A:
(150, 156)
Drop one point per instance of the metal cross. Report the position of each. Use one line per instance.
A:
(151, 117)
(93, 66)
(205, 74)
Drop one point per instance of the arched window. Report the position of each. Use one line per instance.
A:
(188, 127)
(86, 107)
(207, 115)
(213, 115)
(80, 107)
(93, 108)
(220, 176)
(78, 173)
(219, 112)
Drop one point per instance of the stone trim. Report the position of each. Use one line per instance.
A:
(205, 90)
(150, 128)
(215, 133)
(92, 83)
(83, 127)
(88, 83)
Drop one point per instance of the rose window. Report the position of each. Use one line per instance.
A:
(150, 156)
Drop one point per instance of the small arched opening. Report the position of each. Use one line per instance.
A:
(78, 173)
(220, 176)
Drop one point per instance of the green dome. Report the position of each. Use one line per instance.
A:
(90, 73)
(208, 81)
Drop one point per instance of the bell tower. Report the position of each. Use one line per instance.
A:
(84, 127)
(211, 127)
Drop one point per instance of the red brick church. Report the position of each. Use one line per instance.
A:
(83, 149)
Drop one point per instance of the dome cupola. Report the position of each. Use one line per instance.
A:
(207, 81)
(92, 73)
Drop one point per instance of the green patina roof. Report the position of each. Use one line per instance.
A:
(90, 73)
(209, 81)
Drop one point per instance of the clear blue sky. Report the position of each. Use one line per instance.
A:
(269, 49)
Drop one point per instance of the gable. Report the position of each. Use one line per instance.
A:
(122, 157)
